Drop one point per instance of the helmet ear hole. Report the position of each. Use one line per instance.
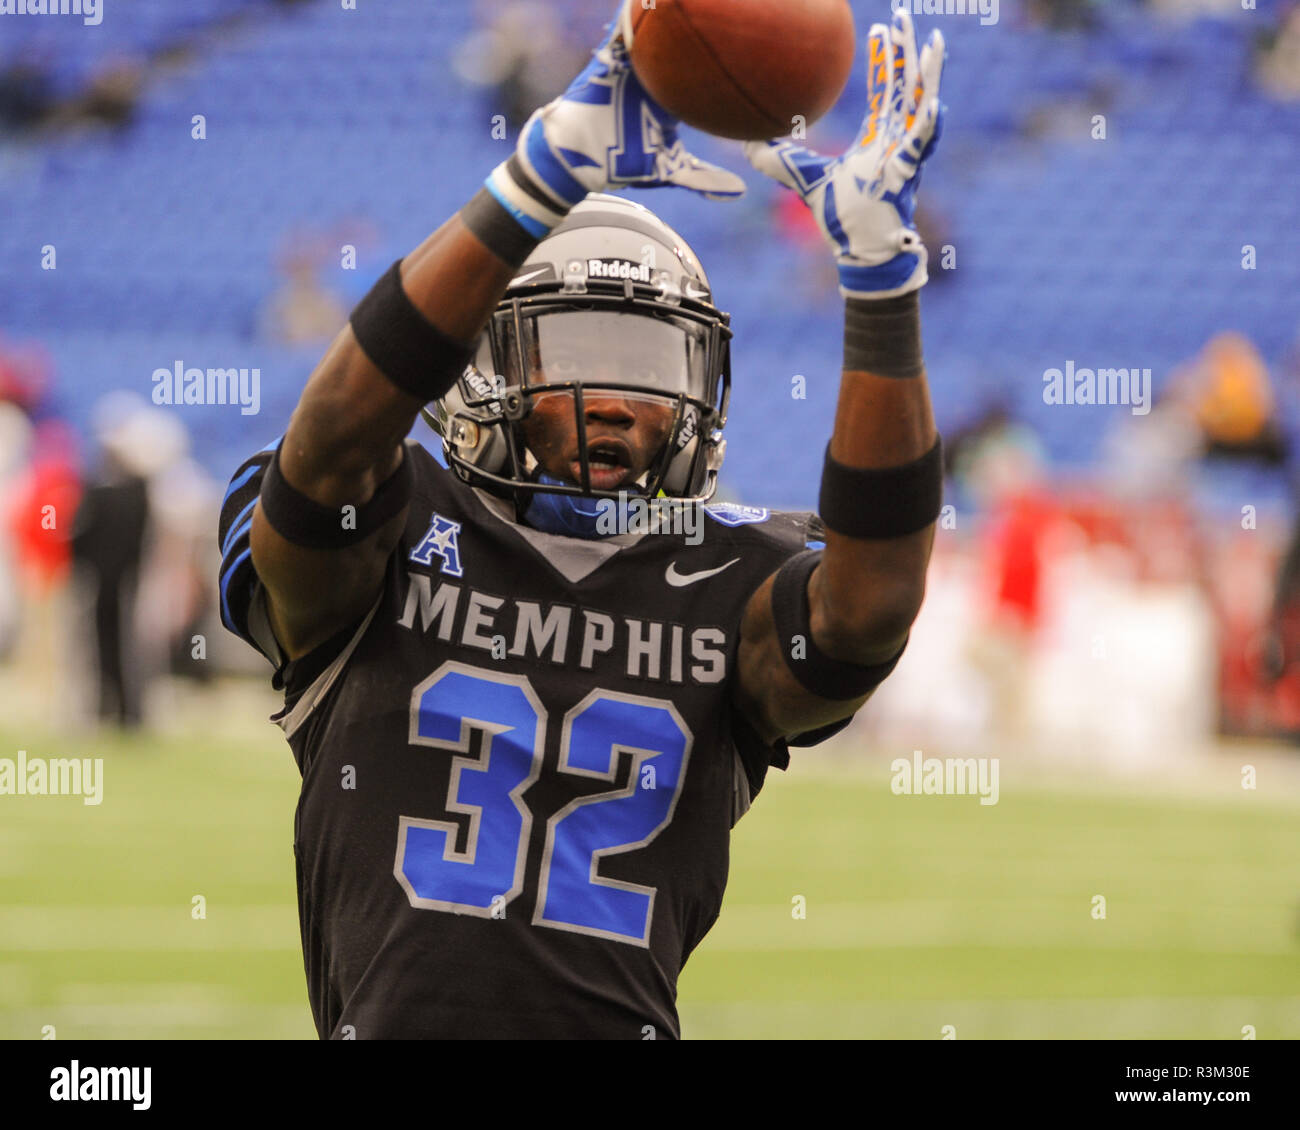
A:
(465, 419)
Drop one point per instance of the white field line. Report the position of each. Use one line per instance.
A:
(1001, 924)
(127, 1020)
(116, 928)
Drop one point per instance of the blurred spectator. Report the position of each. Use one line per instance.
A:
(26, 95)
(109, 540)
(1148, 458)
(1001, 464)
(44, 500)
(15, 450)
(24, 375)
(303, 311)
(1064, 15)
(113, 93)
(110, 96)
(1234, 403)
(184, 504)
(985, 456)
(521, 56)
(1277, 58)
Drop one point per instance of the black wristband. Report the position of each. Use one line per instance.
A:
(883, 336)
(814, 669)
(305, 522)
(496, 229)
(889, 502)
(403, 344)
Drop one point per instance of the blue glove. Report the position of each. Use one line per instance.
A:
(603, 132)
(864, 199)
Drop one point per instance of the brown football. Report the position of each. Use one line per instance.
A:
(747, 69)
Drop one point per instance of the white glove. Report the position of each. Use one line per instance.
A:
(864, 199)
(603, 132)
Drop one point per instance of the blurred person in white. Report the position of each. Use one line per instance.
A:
(146, 528)
(184, 504)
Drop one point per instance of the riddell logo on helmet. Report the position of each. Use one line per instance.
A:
(485, 389)
(618, 269)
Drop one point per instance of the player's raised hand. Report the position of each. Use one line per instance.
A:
(864, 199)
(606, 132)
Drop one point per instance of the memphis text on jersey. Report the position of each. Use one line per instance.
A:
(565, 634)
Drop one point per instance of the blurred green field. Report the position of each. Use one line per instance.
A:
(921, 912)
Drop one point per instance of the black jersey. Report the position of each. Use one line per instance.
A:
(520, 769)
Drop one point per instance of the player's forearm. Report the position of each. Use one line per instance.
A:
(867, 591)
(342, 454)
(345, 436)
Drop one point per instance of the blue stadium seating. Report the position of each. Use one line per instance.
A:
(1123, 251)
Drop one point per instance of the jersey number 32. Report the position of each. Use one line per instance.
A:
(488, 789)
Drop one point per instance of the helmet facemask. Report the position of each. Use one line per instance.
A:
(609, 344)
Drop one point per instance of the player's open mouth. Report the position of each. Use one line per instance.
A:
(610, 462)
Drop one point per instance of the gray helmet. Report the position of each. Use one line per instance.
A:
(612, 300)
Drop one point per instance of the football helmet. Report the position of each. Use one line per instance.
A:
(613, 301)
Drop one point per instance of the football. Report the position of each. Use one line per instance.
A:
(748, 71)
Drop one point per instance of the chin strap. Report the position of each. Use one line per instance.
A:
(569, 514)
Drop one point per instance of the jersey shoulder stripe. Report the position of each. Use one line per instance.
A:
(241, 595)
(238, 584)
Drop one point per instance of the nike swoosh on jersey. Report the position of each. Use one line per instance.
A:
(676, 579)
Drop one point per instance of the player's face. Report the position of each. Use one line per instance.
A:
(625, 435)
(626, 429)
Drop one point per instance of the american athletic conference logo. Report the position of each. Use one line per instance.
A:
(440, 540)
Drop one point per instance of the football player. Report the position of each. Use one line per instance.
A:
(524, 737)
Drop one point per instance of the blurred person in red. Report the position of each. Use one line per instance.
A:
(1000, 462)
(44, 501)
(15, 451)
